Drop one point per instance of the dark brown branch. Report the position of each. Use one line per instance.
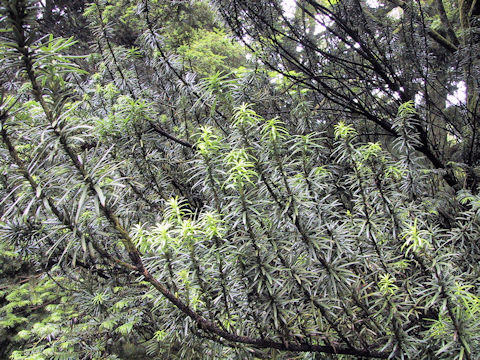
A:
(158, 129)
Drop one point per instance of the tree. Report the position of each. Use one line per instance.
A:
(320, 199)
(351, 50)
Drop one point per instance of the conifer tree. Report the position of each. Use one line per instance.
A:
(170, 193)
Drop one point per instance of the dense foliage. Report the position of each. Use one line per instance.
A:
(170, 193)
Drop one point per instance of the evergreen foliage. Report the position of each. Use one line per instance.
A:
(169, 193)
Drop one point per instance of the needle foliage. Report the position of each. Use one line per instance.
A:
(306, 191)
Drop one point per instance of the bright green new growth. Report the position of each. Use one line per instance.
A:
(158, 202)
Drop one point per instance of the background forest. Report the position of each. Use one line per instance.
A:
(239, 179)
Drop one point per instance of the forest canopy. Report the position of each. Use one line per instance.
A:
(239, 179)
